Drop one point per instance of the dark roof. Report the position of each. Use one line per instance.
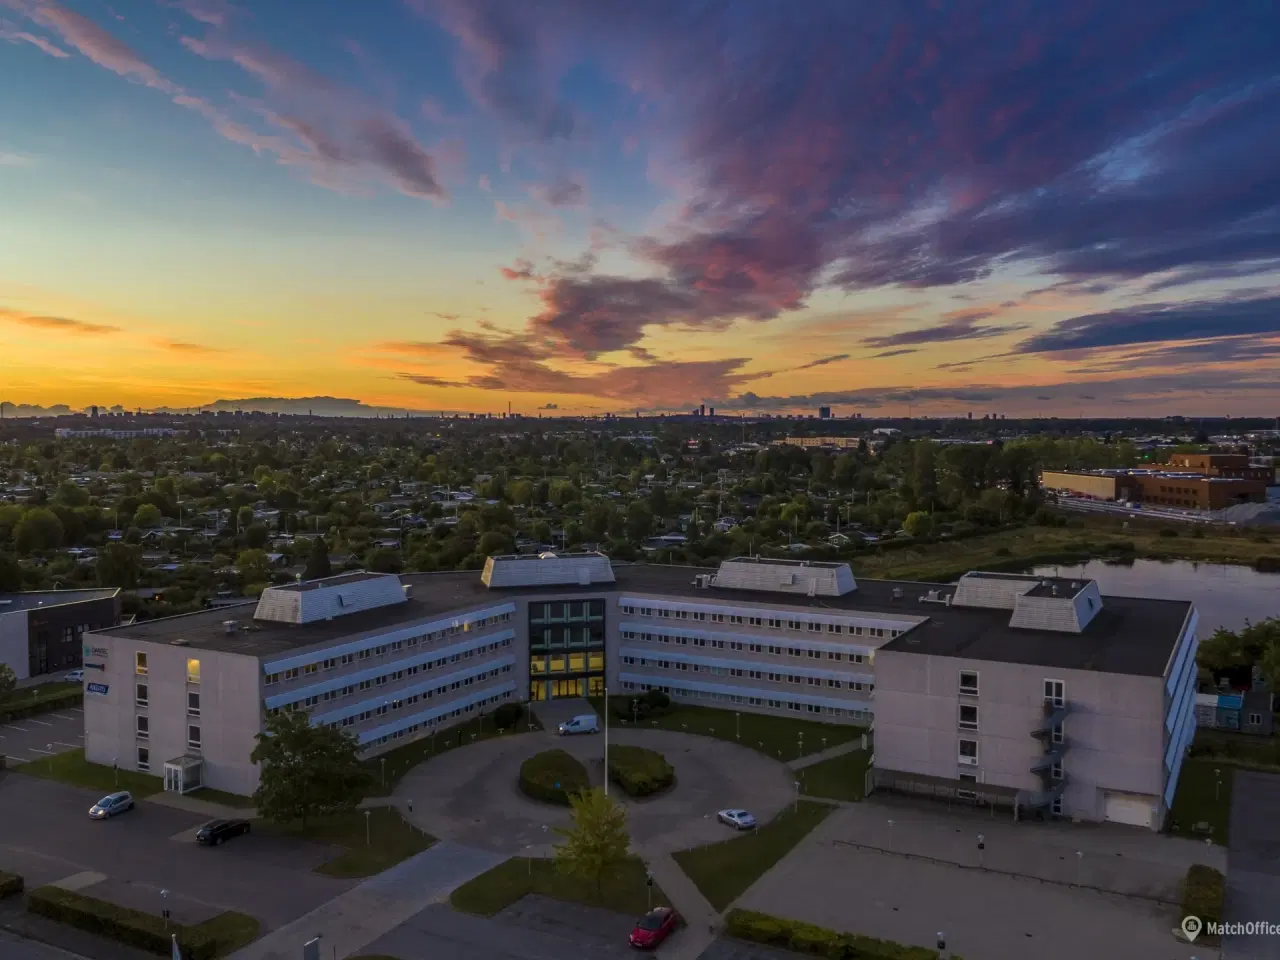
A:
(9, 602)
(1132, 636)
(334, 581)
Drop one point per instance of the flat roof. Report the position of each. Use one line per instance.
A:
(1129, 635)
(341, 578)
(35, 599)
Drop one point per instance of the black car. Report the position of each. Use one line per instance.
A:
(216, 831)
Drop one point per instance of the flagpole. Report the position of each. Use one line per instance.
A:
(606, 741)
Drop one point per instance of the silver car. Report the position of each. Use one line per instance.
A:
(738, 819)
(111, 804)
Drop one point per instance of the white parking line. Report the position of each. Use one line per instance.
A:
(14, 759)
(62, 716)
(77, 710)
(79, 736)
(43, 723)
(10, 726)
(61, 744)
(38, 750)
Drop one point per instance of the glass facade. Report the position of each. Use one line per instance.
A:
(566, 649)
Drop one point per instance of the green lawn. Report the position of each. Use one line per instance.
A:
(1201, 799)
(725, 871)
(490, 893)
(838, 778)
(231, 930)
(783, 738)
(71, 767)
(389, 767)
(209, 795)
(387, 841)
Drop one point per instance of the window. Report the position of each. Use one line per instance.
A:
(1055, 771)
(969, 682)
(140, 664)
(968, 716)
(140, 694)
(193, 671)
(144, 758)
(193, 736)
(1055, 692)
(1255, 719)
(193, 703)
(143, 727)
(967, 794)
(969, 752)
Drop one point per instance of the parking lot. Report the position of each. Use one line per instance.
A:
(48, 837)
(34, 737)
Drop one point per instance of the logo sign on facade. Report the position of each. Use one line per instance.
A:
(94, 651)
(95, 666)
(98, 688)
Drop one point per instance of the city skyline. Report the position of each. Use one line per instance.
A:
(575, 208)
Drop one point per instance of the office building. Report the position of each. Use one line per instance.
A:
(390, 659)
(42, 631)
(1162, 487)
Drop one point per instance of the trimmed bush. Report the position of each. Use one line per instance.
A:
(657, 700)
(507, 715)
(639, 772)
(1203, 891)
(817, 941)
(222, 934)
(10, 884)
(552, 777)
(18, 709)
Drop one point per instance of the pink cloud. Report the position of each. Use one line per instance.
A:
(99, 46)
(21, 36)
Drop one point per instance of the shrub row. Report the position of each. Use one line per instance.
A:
(507, 715)
(10, 884)
(137, 929)
(806, 938)
(16, 708)
(552, 777)
(639, 772)
(1203, 891)
(651, 703)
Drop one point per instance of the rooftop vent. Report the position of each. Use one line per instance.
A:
(702, 581)
(1075, 584)
(180, 642)
(408, 588)
(228, 626)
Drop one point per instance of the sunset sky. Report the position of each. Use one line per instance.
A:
(610, 205)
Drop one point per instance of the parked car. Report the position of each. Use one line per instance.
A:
(738, 819)
(654, 927)
(111, 804)
(584, 723)
(75, 676)
(216, 831)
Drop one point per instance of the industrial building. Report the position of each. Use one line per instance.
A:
(392, 658)
(1185, 487)
(41, 631)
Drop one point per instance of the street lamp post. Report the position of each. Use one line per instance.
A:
(1217, 786)
(737, 725)
(890, 834)
(1079, 867)
(796, 807)
(49, 747)
(982, 847)
(164, 910)
(384, 771)
(367, 840)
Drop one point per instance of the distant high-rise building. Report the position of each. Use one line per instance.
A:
(824, 413)
(711, 411)
(93, 412)
(702, 409)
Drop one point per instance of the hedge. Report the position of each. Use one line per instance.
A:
(552, 777)
(1202, 893)
(639, 772)
(220, 935)
(810, 939)
(16, 708)
(507, 715)
(10, 884)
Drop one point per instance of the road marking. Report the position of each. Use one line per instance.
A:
(10, 726)
(62, 716)
(61, 744)
(14, 759)
(43, 723)
(77, 710)
(79, 736)
(38, 750)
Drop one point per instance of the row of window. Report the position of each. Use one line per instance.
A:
(562, 611)
(438, 721)
(1055, 691)
(142, 698)
(763, 648)
(772, 623)
(748, 674)
(140, 666)
(752, 701)
(142, 729)
(587, 636)
(400, 703)
(393, 675)
(573, 663)
(382, 650)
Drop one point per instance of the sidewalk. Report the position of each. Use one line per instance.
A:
(839, 750)
(702, 923)
(205, 808)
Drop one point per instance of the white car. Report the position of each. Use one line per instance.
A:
(75, 676)
(738, 819)
(583, 723)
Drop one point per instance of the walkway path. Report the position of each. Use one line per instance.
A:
(353, 920)
(701, 919)
(1253, 870)
(839, 750)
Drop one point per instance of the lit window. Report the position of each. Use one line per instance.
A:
(140, 663)
(193, 671)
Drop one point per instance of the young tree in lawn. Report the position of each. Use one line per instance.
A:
(596, 843)
(306, 771)
(8, 681)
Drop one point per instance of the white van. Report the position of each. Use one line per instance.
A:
(585, 723)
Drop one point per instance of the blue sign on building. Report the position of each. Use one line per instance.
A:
(98, 688)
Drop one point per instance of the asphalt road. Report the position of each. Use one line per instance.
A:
(1253, 865)
(15, 948)
(48, 836)
(34, 737)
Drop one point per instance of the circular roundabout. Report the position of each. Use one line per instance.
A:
(508, 794)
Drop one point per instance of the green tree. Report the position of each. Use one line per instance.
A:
(253, 566)
(119, 565)
(383, 560)
(639, 520)
(596, 842)
(318, 562)
(306, 771)
(10, 574)
(39, 529)
(70, 495)
(8, 682)
(918, 523)
(147, 516)
(244, 517)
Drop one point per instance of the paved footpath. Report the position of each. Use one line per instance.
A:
(839, 750)
(358, 917)
(700, 918)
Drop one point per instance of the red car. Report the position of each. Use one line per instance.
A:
(654, 927)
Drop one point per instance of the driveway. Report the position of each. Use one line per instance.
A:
(1253, 864)
(48, 837)
(32, 738)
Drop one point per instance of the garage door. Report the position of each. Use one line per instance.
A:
(1126, 809)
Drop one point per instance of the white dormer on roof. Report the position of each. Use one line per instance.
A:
(1065, 611)
(330, 597)
(803, 577)
(547, 570)
(994, 591)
